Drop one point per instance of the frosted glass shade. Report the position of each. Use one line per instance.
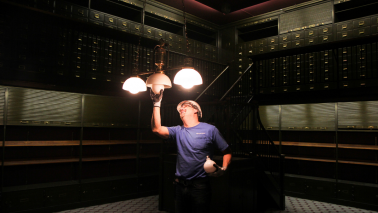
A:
(187, 78)
(158, 81)
(134, 85)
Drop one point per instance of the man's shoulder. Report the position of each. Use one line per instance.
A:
(207, 126)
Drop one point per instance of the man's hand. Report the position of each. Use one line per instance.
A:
(219, 172)
(156, 98)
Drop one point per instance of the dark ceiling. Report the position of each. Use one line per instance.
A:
(227, 11)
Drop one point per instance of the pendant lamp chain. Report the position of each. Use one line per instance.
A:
(186, 33)
(136, 65)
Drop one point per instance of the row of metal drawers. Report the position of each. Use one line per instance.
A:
(311, 36)
(177, 42)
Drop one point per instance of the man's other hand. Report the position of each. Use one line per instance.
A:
(219, 172)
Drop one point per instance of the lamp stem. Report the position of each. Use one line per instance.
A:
(186, 33)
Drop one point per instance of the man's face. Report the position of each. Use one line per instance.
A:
(186, 109)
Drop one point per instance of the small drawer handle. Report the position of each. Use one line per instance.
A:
(362, 23)
(311, 33)
(284, 38)
(272, 41)
(345, 35)
(124, 23)
(297, 36)
(325, 30)
(325, 38)
(362, 32)
(285, 45)
(297, 44)
(345, 26)
(111, 20)
(97, 16)
(311, 40)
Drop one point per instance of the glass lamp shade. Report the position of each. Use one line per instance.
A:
(187, 78)
(134, 85)
(158, 81)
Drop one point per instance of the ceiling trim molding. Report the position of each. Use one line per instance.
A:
(273, 14)
(180, 13)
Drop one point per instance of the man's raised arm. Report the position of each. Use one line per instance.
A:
(156, 126)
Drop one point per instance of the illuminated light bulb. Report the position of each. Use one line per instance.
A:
(157, 87)
(187, 78)
(158, 81)
(187, 86)
(134, 85)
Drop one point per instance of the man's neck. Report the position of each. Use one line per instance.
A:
(190, 122)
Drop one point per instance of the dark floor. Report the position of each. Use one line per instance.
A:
(150, 205)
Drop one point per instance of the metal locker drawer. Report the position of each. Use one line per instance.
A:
(272, 48)
(285, 37)
(328, 29)
(181, 39)
(361, 23)
(135, 28)
(345, 35)
(79, 18)
(159, 35)
(261, 42)
(110, 20)
(298, 35)
(345, 26)
(261, 50)
(95, 22)
(251, 51)
(272, 40)
(123, 23)
(96, 15)
(79, 11)
(110, 26)
(62, 6)
(149, 32)
(297, 43)
(309, 33)
(311, 41)
(284, 46)
(325, 38)
(362, 32)
(171, 37)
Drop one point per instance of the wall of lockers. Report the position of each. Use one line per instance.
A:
(70, 44)
(324, 45)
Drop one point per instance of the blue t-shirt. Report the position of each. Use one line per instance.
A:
(193, 145)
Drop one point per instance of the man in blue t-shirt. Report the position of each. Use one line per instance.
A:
(195, 141)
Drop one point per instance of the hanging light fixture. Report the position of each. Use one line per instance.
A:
(159, 80)
(187, 77)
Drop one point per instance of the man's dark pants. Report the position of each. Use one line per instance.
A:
(192, 196)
